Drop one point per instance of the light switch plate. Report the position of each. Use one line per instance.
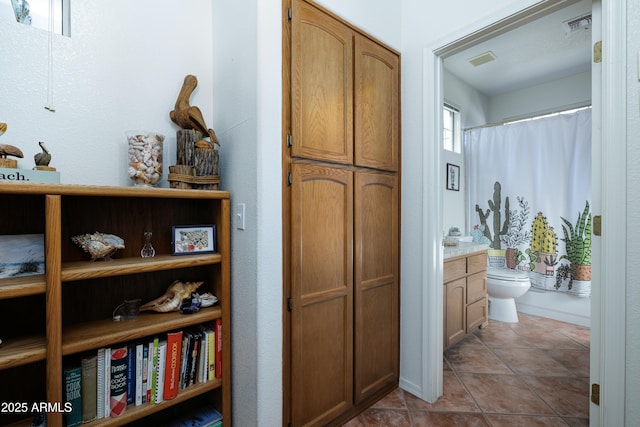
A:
(239, 215)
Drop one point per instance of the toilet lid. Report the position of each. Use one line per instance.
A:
(507, 274)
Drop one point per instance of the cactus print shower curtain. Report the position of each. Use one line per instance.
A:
(528, 189)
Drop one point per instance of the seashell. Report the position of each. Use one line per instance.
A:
(208, 299)
(99, 245)
(173, 298)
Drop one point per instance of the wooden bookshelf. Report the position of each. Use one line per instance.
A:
(65, 313)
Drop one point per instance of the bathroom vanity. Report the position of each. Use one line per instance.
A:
(465, 291)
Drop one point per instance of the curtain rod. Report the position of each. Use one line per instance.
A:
(513, 120)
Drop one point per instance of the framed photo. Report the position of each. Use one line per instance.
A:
(21, 255)
(193, 239)
(453, 177)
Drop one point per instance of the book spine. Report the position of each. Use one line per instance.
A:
(100, 378)
(118, 381)
(106, 392)
(89, 388)
(194, 358)
(145, 370)
(131, 374)
(139, 368)
(218, 325)
(161, 368)
(73, 396)
(149, 370)
(154, 369)
(172, 368)
(211, 352)
(202, 371)
(183, 362)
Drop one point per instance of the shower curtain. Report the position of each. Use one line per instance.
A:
(528, 190)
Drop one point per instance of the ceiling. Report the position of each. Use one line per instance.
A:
(534, 53)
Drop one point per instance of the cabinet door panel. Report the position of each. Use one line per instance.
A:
(476, 314)
(377, 128)
(456, 308)
(322, 293)
(322, 86)
(454, 269)
(376, 282)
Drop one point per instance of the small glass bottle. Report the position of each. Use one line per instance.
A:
(147, 250)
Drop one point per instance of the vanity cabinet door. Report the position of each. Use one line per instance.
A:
(476, 287)
(456, 309)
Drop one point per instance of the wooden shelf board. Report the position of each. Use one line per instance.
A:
(105, 333)
(136, 412)
(21, 351)
(14, 287)
(95, 190)
(82, 270)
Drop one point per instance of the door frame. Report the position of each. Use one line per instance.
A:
(608, 303)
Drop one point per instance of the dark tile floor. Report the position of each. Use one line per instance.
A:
(531, 373)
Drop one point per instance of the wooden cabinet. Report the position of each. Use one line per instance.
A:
(66, 312)
(341, 226)
(345, 93)
(465, 296)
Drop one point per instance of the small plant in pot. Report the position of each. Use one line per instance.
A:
(578, 245)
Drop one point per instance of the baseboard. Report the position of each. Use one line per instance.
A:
(562, 316)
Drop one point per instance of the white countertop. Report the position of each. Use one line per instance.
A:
(464, 248)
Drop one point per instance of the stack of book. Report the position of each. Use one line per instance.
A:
(142, 372)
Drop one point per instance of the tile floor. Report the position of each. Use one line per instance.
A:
(531, 373)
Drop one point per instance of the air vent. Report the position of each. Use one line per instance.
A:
(483, 58)
(577, 24)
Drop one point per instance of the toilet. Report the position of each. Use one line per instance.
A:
(503, 286)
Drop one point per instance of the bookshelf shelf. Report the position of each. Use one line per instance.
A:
(64, 314)
(22, 286)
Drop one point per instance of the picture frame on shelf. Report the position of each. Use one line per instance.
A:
(453, 177)
(21, 255)
(193, 239)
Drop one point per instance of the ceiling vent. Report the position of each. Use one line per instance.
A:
(578, 23)
(483, 58)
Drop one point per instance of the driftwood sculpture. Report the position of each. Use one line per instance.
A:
(8, 150)
(172, 299)
(190, 117)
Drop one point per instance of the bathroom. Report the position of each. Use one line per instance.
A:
(517, 83)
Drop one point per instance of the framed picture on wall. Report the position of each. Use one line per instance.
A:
(453, 177)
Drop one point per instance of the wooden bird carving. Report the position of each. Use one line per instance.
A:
(188, 117)
(10, 150)
(42, 159)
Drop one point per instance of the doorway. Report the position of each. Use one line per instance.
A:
(603, 316)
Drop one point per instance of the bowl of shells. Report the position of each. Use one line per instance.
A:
(144, 158)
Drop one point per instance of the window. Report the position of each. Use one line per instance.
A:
(451, 129)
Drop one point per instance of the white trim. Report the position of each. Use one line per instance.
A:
(614, 213)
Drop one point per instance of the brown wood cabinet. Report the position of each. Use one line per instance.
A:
(465, 296)
(66, 312)
(342, 219)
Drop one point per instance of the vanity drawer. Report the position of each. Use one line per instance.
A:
(476, 314)
(476, 286)
(476, 263)
(454, 269)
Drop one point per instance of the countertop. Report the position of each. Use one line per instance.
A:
(464, 248)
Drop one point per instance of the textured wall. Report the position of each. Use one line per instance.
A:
(121, 70)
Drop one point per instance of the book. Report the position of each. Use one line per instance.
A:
(183, 361)
(218, 329)
(131, 373)
(73, 396)
(211, 353)
(161, 369)
(202, 417)
(106, 392)
(118, 401)
(149, 370)
(28, 175)
(100, 379)
(145, 370)
(153, 356)
(172, 368)
(139, 368)
(194, 357)
(203, 367)
(89, 367)
(186, 369)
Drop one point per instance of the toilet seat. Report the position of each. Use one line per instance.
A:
(507, 275)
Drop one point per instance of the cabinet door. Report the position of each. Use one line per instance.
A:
(456, 309)
(476, 287)
(322, 293)
(322, 86)
(376, 282)
(377, 128)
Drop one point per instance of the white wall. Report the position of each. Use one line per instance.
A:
(632, 372)
(562, 94)
(121, 70)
